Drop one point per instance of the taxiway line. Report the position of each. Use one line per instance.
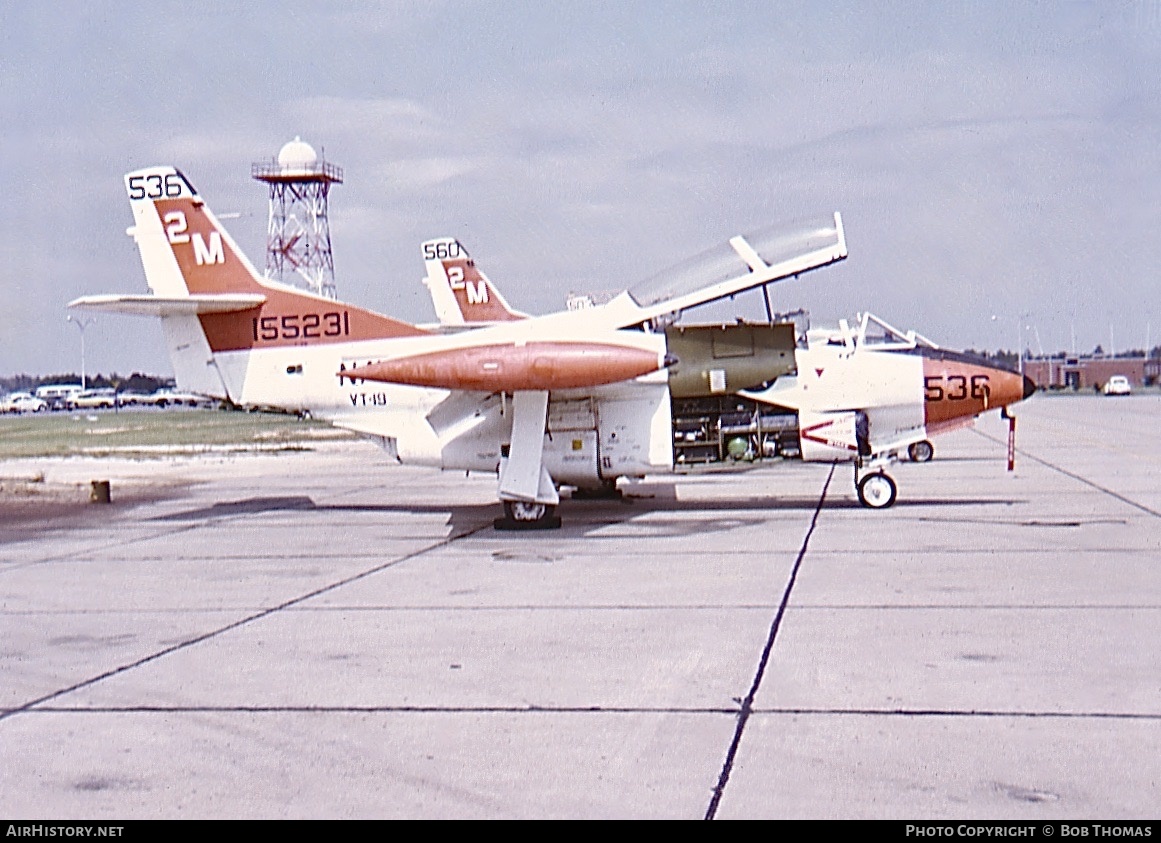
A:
(623, 607)
(1074, 476)
(748, 702)
(264, 613)
(98, 548)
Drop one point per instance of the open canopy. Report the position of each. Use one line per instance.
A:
(744, 263)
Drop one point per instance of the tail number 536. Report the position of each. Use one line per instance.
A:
(156, 186)
(955, 387)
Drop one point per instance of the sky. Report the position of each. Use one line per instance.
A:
(996, 164)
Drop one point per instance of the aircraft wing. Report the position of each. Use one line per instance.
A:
(170, 306)
(748, 262)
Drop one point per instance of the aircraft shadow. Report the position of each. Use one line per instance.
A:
(586, 515)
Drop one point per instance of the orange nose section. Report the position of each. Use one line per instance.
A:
(954, 388)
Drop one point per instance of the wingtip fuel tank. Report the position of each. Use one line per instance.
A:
(515, 367)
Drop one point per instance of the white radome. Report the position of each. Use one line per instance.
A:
(297, 155)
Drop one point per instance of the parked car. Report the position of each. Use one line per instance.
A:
(135, 399)
(93, 399)
(1118, 385)
(165, 397)
(23, 402)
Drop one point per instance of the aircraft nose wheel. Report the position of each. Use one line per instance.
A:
(877, 491)
(921, 451)
(527, 515)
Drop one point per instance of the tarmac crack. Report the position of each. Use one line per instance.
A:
(747, 704)
(251, 618)
(601, 709)
(98, 548)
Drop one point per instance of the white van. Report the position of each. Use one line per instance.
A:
(57, 395)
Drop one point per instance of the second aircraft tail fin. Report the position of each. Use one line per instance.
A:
(461, 293)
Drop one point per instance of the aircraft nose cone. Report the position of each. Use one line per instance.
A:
(1029, 386)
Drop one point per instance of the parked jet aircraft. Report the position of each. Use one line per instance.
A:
(870, 368)
(577, 398)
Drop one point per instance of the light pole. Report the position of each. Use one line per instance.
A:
(81, 324)
(1020, 338)
(1020, 328)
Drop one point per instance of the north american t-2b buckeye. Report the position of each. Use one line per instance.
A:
(578, 398)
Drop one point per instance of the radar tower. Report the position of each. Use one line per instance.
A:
(298, 239)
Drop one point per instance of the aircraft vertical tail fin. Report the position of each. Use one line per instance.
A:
(187, 253)
(461, 293)
(184, 248)
(184, 252)
(211, 299)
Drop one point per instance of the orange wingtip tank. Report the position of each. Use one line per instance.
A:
(512, 367)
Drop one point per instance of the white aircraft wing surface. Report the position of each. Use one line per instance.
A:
(170, 306)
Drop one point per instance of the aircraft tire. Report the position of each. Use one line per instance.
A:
(607, 491)
(521, 515)
(877, 491)
(921, 451)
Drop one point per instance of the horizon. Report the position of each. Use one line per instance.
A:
(71, 378)
(991, 163)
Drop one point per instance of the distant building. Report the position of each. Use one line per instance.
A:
(1089, 371)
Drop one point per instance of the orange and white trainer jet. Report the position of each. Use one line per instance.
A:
(576, 398)
(862, 393)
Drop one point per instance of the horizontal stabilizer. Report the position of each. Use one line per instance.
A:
(172, 305)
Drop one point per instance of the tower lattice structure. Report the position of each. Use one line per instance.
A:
(298, 238)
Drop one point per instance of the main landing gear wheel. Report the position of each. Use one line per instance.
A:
(921, 451)
(607, 491)
(526, 515)
(877, 491)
